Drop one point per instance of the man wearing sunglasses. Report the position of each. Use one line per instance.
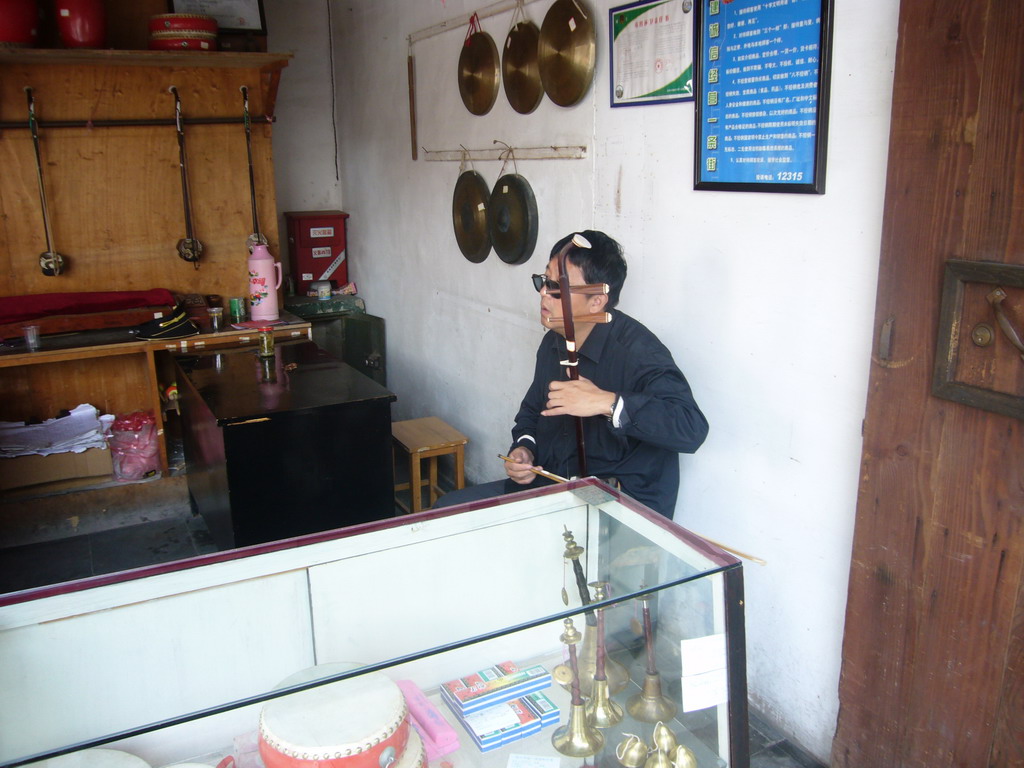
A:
(637, 408)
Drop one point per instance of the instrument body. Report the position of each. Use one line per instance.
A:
(361, 722)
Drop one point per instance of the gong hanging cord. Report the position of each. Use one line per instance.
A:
(474, 27)
(508, 153)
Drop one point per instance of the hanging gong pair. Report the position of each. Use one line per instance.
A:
(558, 59)
(505, 218)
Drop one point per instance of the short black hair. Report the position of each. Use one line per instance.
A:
(603, 262)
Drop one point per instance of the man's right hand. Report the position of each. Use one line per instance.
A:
(520, 469)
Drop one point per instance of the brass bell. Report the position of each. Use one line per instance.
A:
(658, 759)
(576, 738)
(683, 757)
(664, 739)
(601, 711)
(632, 752)
(650, 705)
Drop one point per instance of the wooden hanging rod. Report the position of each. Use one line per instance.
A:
(9, 125)
(503, 153)
(494, 9)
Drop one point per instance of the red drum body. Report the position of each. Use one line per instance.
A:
(182, 41)
(356, 723)
(183, 22)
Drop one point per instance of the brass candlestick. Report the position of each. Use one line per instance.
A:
(601, 711)
(576, 738)
(650, 706)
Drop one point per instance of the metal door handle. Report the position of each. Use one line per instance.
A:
(996, 298)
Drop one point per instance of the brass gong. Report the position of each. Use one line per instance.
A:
(519, 71)
(469, 216)
(567, 51)
(478, 73)
(512, 219)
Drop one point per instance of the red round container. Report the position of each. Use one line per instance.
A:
(81, 23)
(19, 23)
(183, 41)
(183, 22)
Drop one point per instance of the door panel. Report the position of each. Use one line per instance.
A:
(933, 654)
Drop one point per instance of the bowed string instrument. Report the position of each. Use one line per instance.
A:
(568, 322)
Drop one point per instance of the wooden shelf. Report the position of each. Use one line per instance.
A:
(269, 65)
(110, 57)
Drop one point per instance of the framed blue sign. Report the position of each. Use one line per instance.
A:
(762, 70)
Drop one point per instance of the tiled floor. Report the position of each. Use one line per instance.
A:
(177, 538)
(120, 549)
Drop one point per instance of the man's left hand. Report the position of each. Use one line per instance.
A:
(577, 398)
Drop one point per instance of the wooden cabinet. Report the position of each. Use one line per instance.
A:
(284, 446)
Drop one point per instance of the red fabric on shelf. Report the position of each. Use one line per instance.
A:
(17, 309)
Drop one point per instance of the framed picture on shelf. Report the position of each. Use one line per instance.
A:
(761, 74)
(652, 52)
(233, 16)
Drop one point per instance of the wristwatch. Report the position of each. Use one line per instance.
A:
(611, 411)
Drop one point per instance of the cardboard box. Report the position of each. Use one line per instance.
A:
(22, 471)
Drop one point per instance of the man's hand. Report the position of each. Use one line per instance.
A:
(578, 398)
(521, 468)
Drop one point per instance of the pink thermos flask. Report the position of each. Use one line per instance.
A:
(264, 280)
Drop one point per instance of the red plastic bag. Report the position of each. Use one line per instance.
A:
(133, 446)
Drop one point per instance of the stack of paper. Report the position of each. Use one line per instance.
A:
(80, 430)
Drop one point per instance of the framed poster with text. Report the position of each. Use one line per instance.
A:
(652, 52)
(762, 71)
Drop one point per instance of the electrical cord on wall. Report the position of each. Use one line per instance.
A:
(334, 111)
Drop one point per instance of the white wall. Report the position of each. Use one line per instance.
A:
(765, 299)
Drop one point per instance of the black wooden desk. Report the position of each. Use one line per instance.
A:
(283, 446)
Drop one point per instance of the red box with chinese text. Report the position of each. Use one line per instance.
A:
(317, 248)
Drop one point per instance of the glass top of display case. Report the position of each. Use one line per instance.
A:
(487, 630)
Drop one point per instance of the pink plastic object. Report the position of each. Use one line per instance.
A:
(439, 738)
(133, 446)
(264, 280)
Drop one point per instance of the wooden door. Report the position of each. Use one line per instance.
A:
(933, 656)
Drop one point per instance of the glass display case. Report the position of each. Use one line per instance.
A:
(564, 626)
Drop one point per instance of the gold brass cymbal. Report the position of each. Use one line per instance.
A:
(520, 73)
(469, 216)
(512, 219)
(567, 51)
(479, 73)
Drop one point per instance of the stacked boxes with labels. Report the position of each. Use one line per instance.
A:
(501, 704)
(317, 248)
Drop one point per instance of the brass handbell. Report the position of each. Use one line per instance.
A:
(601, 711)
(650, 706)
(576, 738)
(593, 640)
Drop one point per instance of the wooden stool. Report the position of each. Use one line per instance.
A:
(428, 438)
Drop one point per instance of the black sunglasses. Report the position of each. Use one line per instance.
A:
(543, 281)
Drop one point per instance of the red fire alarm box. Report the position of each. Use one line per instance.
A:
(316, 248)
